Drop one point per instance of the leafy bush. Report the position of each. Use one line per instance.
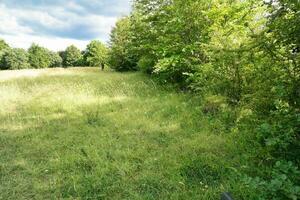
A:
(281, 132)
(282, 183)
(146, 64)
(213, 104)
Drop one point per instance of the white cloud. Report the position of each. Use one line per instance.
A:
(74, 6)
(56, 26)
(52, 43)
(9, 23)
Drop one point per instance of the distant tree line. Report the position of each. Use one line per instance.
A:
(39, 57)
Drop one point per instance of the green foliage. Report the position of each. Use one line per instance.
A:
(146, 64)
(36, 56)
(279, 134)
(245, 54)
(55, 59)
(39, 57)
(120, 57)
(96, 54)
(72, 57)
(3, 45)
(14, 59)
(213, 104)
(282, 183)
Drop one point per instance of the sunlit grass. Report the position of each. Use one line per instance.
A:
(85, 134)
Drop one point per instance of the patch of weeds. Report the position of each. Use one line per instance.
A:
(94, 118)
(85, 163)
(151, 188)
(161, 139)
(200, 172)
(213, 104)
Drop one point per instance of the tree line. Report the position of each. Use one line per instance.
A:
(242, 54)
(40, 57)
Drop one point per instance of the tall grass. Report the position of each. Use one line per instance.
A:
(80, 133)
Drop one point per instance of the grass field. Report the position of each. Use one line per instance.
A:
(80, 133)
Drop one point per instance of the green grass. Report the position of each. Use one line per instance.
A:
(81, 133)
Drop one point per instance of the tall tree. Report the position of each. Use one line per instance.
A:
(121, 56)
(39, 57)
(55, 59)
(71, 56)
(3, 45)
(15, 59)
(96, 54)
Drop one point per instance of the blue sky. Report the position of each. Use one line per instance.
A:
(56, 24)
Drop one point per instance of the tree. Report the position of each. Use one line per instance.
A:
(71, 56)
(15, 59)
(121, 55)
(167, 37)
(39, 57)
(95, 54)
(55, 59)
(3, 45)
(281, 43)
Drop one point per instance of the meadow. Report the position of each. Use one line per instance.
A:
(80, 133)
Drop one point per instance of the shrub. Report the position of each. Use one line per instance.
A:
(280, 132)
(213, 104)
(282, 183)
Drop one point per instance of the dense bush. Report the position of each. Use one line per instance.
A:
(281, 183)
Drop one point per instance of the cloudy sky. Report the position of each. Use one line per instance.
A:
(56, 24)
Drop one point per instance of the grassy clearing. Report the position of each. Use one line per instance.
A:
(84, 134)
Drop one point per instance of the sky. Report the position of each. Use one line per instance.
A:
(56, 24)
